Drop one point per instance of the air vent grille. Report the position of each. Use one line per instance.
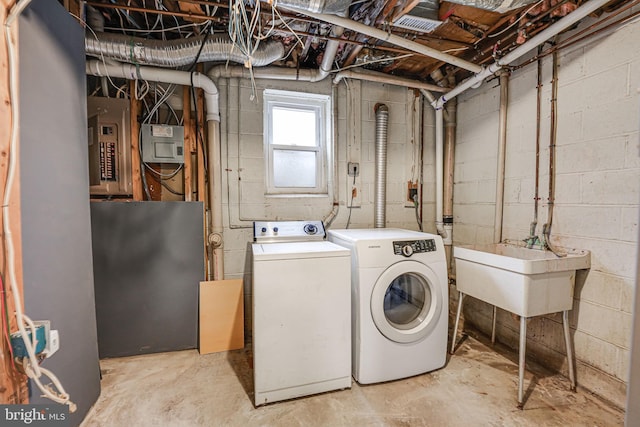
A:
(422, 18)
(417, 23)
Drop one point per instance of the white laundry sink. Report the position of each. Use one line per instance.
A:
(528, 282)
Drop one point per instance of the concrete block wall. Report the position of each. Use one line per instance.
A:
(244, 175)
(597, 196)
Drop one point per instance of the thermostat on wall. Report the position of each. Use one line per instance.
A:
(162, 144)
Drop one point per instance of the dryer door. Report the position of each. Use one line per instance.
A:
(406, 302)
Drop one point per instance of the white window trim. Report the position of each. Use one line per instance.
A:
(309, 101)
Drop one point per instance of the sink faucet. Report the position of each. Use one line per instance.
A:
(532, 239)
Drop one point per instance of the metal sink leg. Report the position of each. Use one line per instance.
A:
(493, 325)
(567, 341)
(455, 328)
(522, 351)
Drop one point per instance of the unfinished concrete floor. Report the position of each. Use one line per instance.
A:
(477, 387)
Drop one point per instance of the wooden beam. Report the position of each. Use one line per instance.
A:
(136, 177)
(188, 143)
(13, 386)
(73, 6)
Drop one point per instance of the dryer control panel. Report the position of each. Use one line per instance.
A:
(410, 247)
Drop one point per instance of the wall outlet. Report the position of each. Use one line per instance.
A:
(412, 191)
(353, 169)
(53, 343)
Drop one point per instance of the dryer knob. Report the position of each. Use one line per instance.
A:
(407, 250)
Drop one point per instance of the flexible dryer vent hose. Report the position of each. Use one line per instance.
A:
(380, 198)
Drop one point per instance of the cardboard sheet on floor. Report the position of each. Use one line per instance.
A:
(221, 316)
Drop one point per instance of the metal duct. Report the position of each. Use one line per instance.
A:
(176, 53)
(320, 6)
(380, 197)
(499, 6)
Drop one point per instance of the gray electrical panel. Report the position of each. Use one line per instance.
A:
(109, 133)
(162, 144)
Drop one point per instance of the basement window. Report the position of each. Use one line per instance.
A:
(297, 141)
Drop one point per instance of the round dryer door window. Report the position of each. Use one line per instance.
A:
(406, 302)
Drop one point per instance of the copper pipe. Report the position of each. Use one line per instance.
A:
(511, 35)
(536, 195)
(546, 229)
(502, 148)
(573, 40)
(531, 240)
(597, 23)
(553, 131)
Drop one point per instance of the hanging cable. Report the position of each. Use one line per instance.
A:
(353, 191)
(416, 205)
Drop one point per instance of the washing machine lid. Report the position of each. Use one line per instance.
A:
(297, 250)
(355, 235)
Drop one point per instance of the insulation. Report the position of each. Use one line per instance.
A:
(318, 6)
(499, 6)
(179, 52)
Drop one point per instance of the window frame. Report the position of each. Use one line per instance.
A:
(321, 105)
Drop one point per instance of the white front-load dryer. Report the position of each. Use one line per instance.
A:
(399, 302)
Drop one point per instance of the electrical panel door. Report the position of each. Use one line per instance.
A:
(109, 146)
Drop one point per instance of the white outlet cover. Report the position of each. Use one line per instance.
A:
(53, 343)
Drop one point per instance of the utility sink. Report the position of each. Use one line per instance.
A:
(527, 282)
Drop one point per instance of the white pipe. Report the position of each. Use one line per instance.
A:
(429, 95)
(131, 72)
(439, 172)
(328, 220)
(538, 39)
(211, 96)
(502, 148)
(391, 38)
(216, 237)
(372, 76)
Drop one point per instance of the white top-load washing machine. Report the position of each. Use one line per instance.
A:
(400, 302)
(301, 311)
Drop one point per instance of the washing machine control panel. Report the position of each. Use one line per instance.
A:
(287, 231)
(410, 247)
